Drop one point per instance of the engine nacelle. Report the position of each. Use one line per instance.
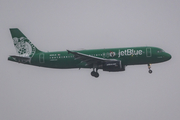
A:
(113, 66)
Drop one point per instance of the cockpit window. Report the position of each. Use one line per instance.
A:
(160, 51)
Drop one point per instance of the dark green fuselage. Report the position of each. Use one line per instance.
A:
(112, 59)
(128, 56)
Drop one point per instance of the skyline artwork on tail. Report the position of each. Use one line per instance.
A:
(111, 59)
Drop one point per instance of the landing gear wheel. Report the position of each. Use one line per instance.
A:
(95, 74)
(150, 71)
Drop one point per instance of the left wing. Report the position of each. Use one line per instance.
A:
(89, 59)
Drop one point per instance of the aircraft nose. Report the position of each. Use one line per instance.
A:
(168, 56)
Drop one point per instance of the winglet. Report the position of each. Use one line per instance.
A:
(68, 51)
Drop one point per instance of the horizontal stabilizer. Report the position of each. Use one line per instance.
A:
(20, 59)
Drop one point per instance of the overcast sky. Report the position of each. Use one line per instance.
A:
(35, 93)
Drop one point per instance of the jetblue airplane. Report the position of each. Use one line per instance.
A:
(111, 59)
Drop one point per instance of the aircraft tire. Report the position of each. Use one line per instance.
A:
(150, 71)
(93, 73)
(96, 75)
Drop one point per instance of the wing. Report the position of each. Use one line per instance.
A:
(89, 59)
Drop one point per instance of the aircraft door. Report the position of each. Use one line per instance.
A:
(104, 55)
(148, 52)
(41, 58)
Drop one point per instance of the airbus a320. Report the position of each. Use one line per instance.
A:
(112, 59)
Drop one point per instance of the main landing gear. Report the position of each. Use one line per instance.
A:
(95, 73)
(149, 67)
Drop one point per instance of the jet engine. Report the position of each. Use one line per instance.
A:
(113, 66)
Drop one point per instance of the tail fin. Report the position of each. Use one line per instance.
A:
(23, 46)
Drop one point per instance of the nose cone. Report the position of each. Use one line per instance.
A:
(168, 56)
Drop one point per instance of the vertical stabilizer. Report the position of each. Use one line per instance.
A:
(23, 46)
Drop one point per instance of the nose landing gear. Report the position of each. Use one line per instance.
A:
(149, 67)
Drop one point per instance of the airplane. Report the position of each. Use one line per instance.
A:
(111, 59)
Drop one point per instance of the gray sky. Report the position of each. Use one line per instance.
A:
(35, 93)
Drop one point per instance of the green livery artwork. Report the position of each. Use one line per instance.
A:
(112, 59)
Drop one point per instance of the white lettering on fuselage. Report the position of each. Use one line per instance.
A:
(110, 64)
(52, 55)
(129, 52)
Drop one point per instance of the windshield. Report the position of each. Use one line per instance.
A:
(160, 51)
